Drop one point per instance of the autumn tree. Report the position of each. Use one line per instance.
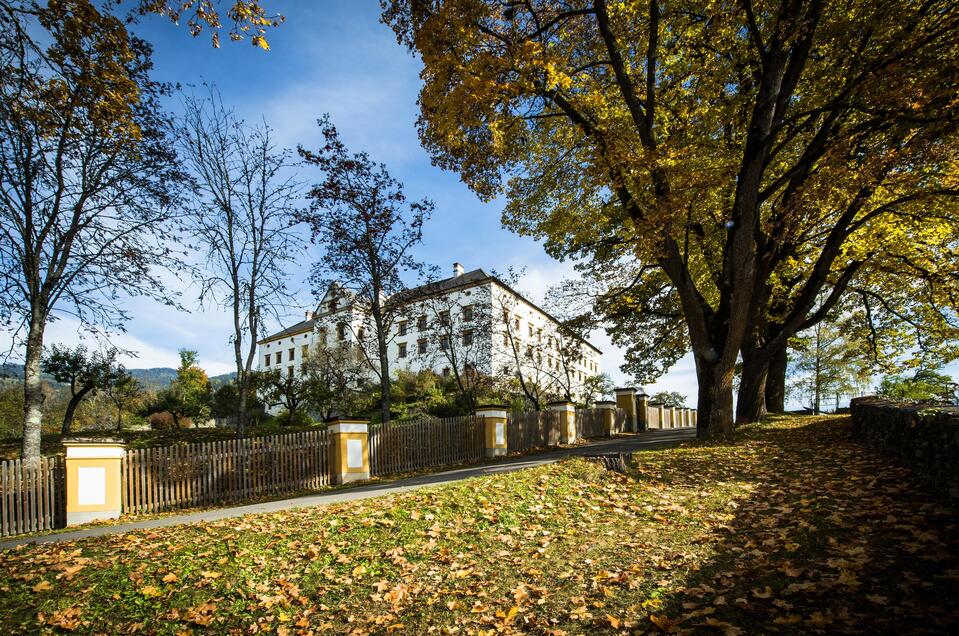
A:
(189, 395)
(750, 155)
(244, 200)
(85, 373)
(367, 228)
(87, 175)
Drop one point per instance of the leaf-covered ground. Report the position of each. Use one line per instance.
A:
(792, 527)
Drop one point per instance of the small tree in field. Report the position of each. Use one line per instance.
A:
(669, 398)
(331, 375)
(287, 390)
(126, 393)
(83, 372)
(189, 395)
(363, 220)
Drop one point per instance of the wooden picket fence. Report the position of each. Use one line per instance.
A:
(403, 446)
(190, 475)
(32, 498)
(589, 423)
(532, 429)
(212, 473)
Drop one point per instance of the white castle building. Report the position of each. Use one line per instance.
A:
(470, 321)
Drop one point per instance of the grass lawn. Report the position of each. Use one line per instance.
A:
(791, 527)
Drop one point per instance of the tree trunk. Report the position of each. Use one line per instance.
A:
(32, 395)
(72, 405)
(715, 399)
(241, 415)
(776, 382)
(751, 400)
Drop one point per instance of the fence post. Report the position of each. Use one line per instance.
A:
(494, 429)
(93, 479)
(567, 421)
(349, 450)
(626, 400)
(642, 411)
(607, 409)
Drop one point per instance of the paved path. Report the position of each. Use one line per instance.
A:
(625, 444)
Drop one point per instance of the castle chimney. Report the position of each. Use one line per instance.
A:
(457, 270)
(309, 315)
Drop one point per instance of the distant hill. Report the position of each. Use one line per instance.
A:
(155, 378)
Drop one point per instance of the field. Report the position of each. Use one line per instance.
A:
(791, 527)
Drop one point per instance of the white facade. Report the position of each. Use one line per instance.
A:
(455, 323)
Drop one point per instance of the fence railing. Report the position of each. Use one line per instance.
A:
(190, 475)
(403, 446)
(32, 498)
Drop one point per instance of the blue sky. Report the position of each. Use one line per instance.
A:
(334, 57)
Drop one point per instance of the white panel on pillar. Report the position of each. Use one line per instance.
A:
(91, 485)
(354, 453)
(500, 433)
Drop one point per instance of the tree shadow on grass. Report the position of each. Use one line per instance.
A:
(830, 537)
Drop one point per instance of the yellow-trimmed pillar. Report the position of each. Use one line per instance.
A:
(695, 415)
(567, 421)
(494, 428)
(642, 411)
(349, 450)
(626, 400)
(608, 410)
(93, 480)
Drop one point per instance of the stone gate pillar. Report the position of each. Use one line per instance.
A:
(494, 429)
(93, 479)
(626, 400)
(349, 450)
(567, 421)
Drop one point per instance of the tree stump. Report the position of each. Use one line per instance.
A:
(611, 461)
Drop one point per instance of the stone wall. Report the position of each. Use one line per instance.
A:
(921, 435)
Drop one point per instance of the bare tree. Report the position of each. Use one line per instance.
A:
(244, 200)
(526, 364)
(455, 331)
(332, 375)
(87, 180)
(368, 229)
